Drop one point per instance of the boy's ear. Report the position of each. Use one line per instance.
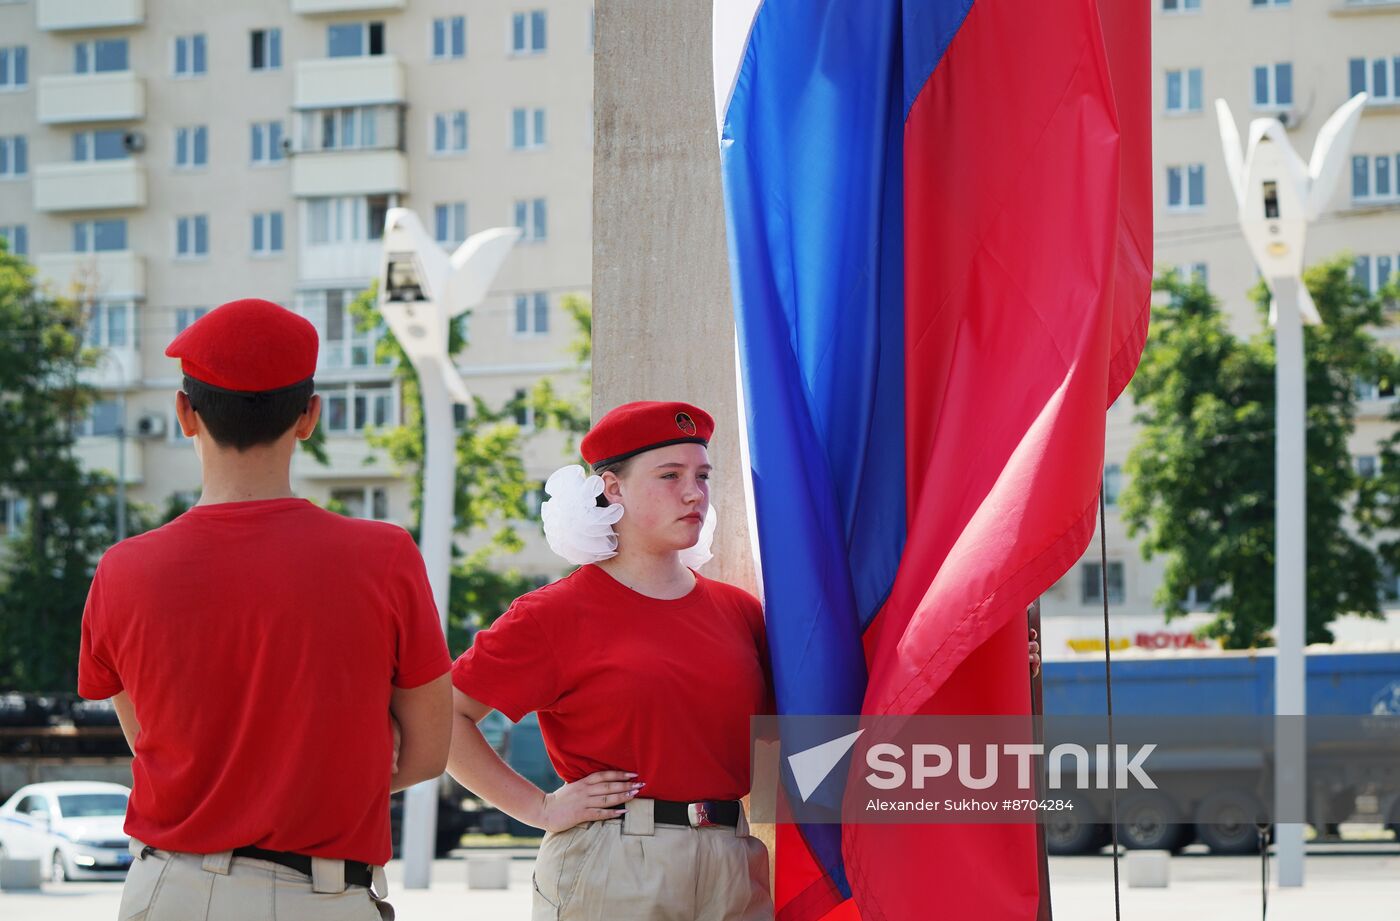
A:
(185, 415)
(306, 422)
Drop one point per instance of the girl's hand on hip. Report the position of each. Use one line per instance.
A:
(601, 795)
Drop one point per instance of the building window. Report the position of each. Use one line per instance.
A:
(1180, 6)
(532, 217)
(1186, 187)
(532, 314)
(1367, 466)
(266, 51)
(14, 156)
(14, 67)
(527, 128)
(108, 144)
(266, 141)
(1192, 273)
(353, 407)
(103, 419)
(1375, 179)
(111, 325)
(177, 436)
(1112, 483)
(449, 38)
(184, 316)
(267, 233)
(190, 58)
(107, 236)
(1374, 272)
(354, 39)
(14, 514)
(527, 32)
(191, 147)
(1184, 90)
(363, 501)
(1273, 86)
(524, 412)
(1380, 77)
(1261, 4)
(334, 221)
(101, 56)
(16, 237)
(343, 343)
(449, 132)
(1092, 582)
(192, 236)
(450, 222)
(534, 501)
(351, 128)
(1372, 389)
(1199, 597)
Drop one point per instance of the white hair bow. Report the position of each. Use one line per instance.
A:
(581, 531)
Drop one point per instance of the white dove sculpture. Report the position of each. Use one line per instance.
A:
(1278, 194)
(421, 288)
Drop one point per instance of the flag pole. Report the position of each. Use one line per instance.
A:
(1038, 728)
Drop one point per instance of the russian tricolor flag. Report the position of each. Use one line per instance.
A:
(940, 225)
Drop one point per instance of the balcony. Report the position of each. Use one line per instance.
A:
(63, 15)
(1362, 7)
(99, 453)
(116, 369)
(108, 275)
(347, 455)
(321, 7)
(92, 186)
(349, 172)
(68, 99)
(328, 83)
(340, 262)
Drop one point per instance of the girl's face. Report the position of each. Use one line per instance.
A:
(666, 493)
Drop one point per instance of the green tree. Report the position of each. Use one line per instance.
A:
(68, 515)
(490, 486)
(569, 414)
(1201, 477)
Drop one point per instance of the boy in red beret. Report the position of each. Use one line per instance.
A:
(257, 650)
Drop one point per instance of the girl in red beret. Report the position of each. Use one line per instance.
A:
(644, 674)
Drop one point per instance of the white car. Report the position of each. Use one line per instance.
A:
(74, 827)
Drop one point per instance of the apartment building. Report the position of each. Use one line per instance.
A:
(1297, 60)
(158, 157)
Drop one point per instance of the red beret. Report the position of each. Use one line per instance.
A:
(636, 427)
(247, 345)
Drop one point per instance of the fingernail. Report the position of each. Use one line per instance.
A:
(630, 774)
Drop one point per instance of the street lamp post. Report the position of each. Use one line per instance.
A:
(1278, 195)
(421, 290)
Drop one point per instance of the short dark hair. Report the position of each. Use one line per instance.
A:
(618, 468)
(245, 420)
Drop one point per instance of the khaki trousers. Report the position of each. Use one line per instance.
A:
(165, 886)
(631, 869)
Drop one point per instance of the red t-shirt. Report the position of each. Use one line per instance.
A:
(626, 682)
(259, 642)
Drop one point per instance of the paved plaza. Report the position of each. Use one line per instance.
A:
(1359, 882)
